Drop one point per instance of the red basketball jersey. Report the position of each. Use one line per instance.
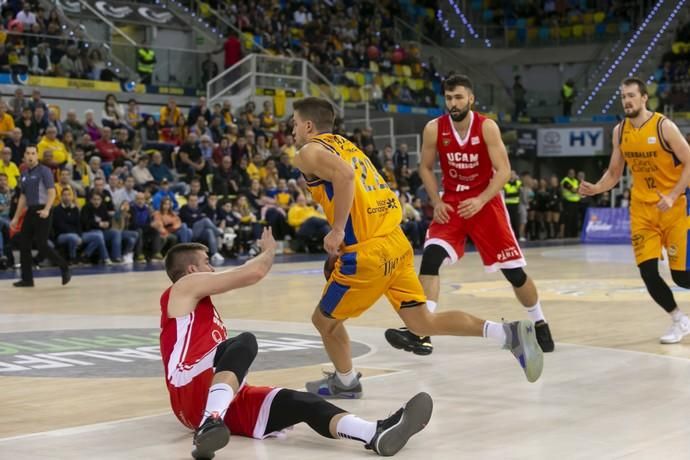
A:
(189, 342)
(465, 163)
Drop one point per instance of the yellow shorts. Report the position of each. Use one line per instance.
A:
(366, 271)
(652, 229)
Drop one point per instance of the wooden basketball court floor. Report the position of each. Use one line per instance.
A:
(80, 377)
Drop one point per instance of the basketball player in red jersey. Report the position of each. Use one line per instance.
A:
(475, 168)
(205, 371)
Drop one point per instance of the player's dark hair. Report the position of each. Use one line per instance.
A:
(636, 81)
(179, 257)
(317, 110)
(450, 83)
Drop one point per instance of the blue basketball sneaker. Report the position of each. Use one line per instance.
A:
(331, 387)
(521, 340)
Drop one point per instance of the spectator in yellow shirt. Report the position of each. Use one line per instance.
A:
(6, 121)
(289, 147)
(283, 197)
(8, 167)
(51, 142)
(309, 224)
(254, 168)
(170, 113)
(64, 183)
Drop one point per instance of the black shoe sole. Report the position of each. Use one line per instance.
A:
(208, 442)
(396, 340)
(415, 417)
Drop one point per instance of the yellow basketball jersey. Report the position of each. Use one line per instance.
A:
(651, 161)
(376, 211)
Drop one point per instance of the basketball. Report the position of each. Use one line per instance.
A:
(329, 266)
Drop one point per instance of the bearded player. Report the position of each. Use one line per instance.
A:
(659, 158)
(475, 168)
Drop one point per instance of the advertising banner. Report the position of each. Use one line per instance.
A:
(607, 225)
(570, 142)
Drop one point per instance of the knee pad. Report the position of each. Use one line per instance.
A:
(515, 276)
(681, 278)
(432, 259)
(236, 355)
(649, 270)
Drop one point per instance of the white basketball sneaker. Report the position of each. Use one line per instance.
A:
(677, 331)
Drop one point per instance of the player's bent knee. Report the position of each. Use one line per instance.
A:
(515, 276)
(248, 341)
(432, 259)
(649, 270)
(681, 278)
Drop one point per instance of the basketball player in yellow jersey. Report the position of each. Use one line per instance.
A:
(659, 158)
(374, 256)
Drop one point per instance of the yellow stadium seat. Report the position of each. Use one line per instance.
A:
(351, 75)
(599, 17)
(344, 92)
(531, 21)
(612, 28)
(653, 103)
(430, 13)
(387, 80)
(398, 70)
(532, 34)
(589, 30)
(651, 88)
(680, 48)
(204, 10)
(578, 30)
(588, 18)
(566, 32)
(407, 71)
(313, 89)
(373, 67)
(360, 79)
(355, 94)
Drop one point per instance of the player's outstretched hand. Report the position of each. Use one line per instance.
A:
(267, 242)
(441, 211)
(587, 189)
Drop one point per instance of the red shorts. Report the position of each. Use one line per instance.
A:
(489, 230)
(246, 416)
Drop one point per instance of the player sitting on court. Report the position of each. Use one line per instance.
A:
(205, 371)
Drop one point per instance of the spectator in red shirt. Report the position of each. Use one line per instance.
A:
(233, 50)
(108, 150)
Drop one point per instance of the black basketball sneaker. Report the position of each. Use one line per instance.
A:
(403, 339)
(543, 334)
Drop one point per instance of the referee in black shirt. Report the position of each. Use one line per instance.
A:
(37, 197)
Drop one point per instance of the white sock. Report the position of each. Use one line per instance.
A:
(535, 314)
(219, 399)
(431, 305)
(495, 331)
(677, 315)
(353, 427)
(348, 378)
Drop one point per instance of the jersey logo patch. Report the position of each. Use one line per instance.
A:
(446, 142)
(474, 140)
(651, 140)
